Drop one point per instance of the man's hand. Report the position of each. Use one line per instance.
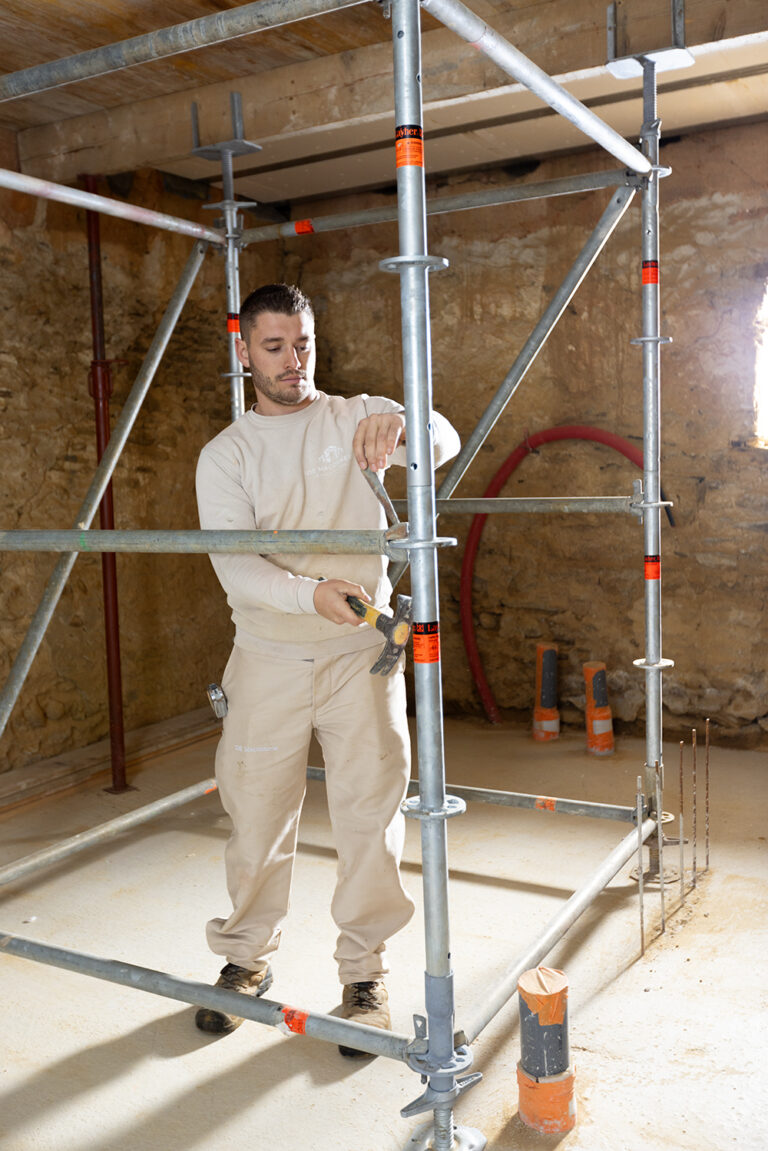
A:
(376, 438)
(331, 600)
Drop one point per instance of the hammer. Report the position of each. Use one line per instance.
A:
(396, 628)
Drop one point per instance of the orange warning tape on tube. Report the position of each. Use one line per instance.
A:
(544, 990)
(547, 1105)
(294, 1019)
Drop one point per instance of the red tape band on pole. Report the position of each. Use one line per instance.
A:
(303, 227)
(233, 323)
(650, 271)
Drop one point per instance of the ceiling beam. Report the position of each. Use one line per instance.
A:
(304, 111)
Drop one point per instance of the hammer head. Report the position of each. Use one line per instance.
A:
(397, 629)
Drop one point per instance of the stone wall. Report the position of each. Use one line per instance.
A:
(575, 580)
(578, 580)
(174, 621)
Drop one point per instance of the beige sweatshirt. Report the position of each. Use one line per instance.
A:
(297, 471)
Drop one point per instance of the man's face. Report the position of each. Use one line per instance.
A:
(280, 352)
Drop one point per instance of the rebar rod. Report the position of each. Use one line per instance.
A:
(47, 190)
(706, 796)
(682, 836)
(66, 848)
(640, 863)
(264, 542)
(614, 212)
(487, 198)
(476, 32)
(556, 929)
(100, 380)
(192, 34)
(534, 505)
(695, 819)
(288, 1019)
(660, 840)
(101, 478)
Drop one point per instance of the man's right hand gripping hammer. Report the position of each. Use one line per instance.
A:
(396, 628)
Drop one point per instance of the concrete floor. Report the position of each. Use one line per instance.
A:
(669, 1047)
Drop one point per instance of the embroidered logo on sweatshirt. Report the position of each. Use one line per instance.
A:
(330, 459)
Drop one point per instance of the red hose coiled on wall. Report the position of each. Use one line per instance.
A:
(550, 435)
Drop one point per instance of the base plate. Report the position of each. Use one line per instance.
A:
(465, 1139)
(651, 878)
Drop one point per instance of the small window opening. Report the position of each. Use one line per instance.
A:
(761, 374)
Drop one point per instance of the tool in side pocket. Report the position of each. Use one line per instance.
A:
(396, 628)
(217, 699)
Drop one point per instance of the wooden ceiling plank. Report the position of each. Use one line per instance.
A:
(286, 106)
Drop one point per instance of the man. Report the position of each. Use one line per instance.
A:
(301, 660)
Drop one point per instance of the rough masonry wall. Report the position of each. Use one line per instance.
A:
(578, 580)
(575, 580)
(174, 619)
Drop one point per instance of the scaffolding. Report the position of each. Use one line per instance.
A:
(438, 1052)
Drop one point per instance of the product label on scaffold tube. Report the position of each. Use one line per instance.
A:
(653, 567)
(409, 146)
(233, 323)
(303, 227)
(426, 642)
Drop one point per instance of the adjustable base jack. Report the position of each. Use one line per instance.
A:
(464, 1139)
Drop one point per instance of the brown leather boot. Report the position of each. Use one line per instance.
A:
(367, 1003)
(233, 978)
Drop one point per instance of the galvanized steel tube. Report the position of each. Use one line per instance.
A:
(104, 831)
(232, 277)
(291, 1020)
(413, 266)
(475, 31)
(556, 929)
(342, 542)
(618, 205)
(488, 198)
(554, 804)
(47, 190)
(650, 343)
(213, 29)
(532, 505)
(102, 476)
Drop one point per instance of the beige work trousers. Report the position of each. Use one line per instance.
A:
(261, 762)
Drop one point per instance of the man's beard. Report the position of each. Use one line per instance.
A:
(280, 393)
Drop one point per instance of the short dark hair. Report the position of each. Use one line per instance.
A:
(286, 299)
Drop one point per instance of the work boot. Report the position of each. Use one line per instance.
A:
(365, 1003)
(233, 978)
